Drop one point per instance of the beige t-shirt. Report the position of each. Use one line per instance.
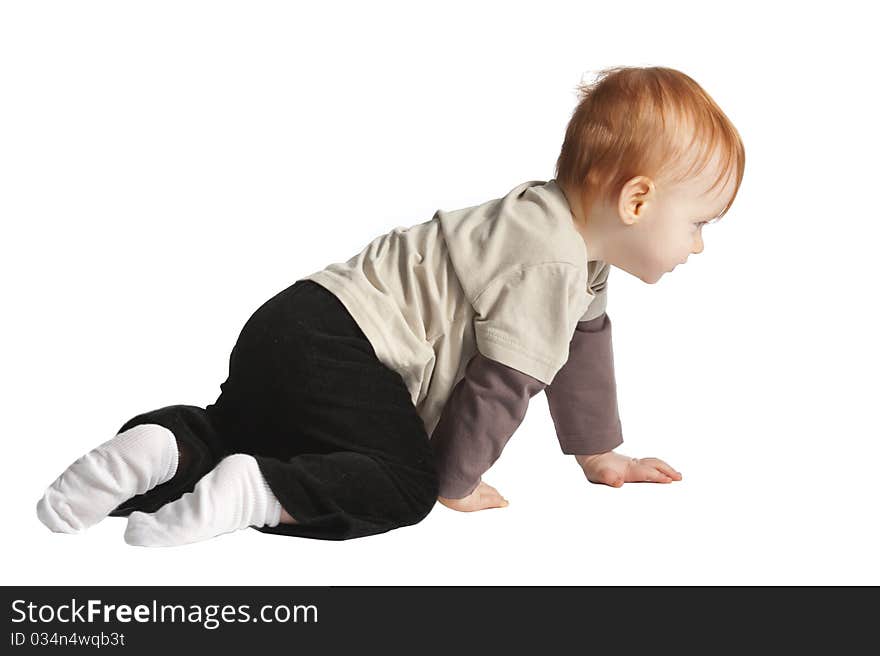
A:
(509, 277)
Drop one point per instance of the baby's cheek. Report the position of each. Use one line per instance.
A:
(660, 262)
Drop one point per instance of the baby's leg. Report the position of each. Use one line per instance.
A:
(332, 496)
(231, 497)
(349, 494)
(153, 458)
(318, 426)
(335, 433)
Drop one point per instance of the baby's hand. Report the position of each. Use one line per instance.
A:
(615, 469)
(484, 496)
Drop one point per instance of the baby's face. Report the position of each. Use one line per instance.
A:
(669, 229)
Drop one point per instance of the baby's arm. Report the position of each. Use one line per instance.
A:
(583, 403)
(490, 401)
(485, 408)
(582, 397)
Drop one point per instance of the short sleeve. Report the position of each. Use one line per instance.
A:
(599, 287)
(526, 318)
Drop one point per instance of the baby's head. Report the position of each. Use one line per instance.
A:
(648, 159)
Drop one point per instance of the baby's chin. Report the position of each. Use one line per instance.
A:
(652, 278)
(660, 274)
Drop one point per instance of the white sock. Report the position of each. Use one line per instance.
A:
(232, 496)
(131, 463)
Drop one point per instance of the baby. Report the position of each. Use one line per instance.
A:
(367, 391)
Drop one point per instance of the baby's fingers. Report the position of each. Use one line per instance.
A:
(484, 496)
(490, 497)
(640, 472)
(663, 467)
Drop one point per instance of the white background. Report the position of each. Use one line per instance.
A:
(166, 167)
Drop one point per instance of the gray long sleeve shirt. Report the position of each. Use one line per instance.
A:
(489, 403)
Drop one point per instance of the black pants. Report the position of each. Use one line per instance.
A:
(333, 429)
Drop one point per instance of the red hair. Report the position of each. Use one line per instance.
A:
(644, 121)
